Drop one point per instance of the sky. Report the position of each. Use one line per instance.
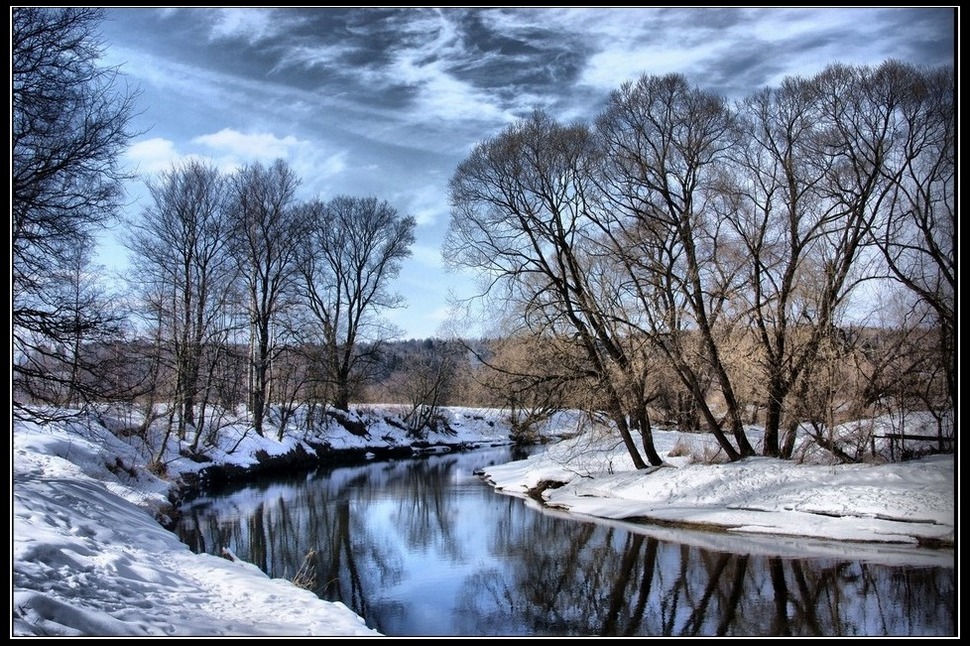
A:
(386, 102)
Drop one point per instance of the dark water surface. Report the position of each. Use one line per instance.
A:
(424, 547)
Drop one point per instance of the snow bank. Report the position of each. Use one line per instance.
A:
(89, 557)
(909, 502)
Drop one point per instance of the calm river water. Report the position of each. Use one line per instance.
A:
(424, 547)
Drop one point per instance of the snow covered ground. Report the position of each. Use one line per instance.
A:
(89, 557)
(909, 502)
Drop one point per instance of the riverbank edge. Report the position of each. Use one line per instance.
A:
(190, 484)
(537, 494)
(209, 473)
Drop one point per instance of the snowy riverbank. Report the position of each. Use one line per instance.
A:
(909, 502)
(90, 558)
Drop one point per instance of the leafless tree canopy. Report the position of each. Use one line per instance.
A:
(679, 259)
(266, 231)
(684, 228)
(253, 297)
(69, 124)
(353, 250)
(529, 214)
(186, 276)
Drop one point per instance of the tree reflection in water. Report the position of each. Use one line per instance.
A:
(422, 547)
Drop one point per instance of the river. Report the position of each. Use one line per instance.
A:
(424, 547)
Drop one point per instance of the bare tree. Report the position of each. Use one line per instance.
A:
(753, 221)
(807, 184)
(291, 379)
(859, 143)
(69, 125)
(267, 231)
(72, 368)
(97, 323)
(183, 267)
(730, 240)
(531, 378)
(664, 141)
(917, 235)
(773, 202)
(524, 214)
(426, 382)
(353, 249)
(900, 368)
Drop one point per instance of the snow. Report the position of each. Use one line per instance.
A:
(90, 558)
(238, 445)
(908, 502)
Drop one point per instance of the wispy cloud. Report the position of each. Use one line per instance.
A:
(732, 50)
(318, 168)
(387, 101)
(425, 61)
(308, 56)
(428, 256)
(249, 24)
(413, 59)
(206, 86)
(424, 202)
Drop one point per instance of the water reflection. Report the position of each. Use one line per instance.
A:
(422, 547)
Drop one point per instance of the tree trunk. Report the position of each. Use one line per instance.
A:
(773, 420)
(621, 424)
(260, 372)
(641, 420)
(342, 395)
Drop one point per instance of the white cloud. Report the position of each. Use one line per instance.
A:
(152, 155)
(205, 87)
(311, 56)
(426, 203)
(158, 155)
(608, 69)
(629, 42)
(778, 25)
(315, 167)
(333, 165)
(250, 146)
(229, 150)
(426, 216)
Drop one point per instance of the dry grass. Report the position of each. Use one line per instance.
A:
(306, 576)
(703, 454)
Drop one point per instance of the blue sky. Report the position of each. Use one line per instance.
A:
(387, 102)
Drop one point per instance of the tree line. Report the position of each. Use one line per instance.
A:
(219, 261)
(680, 259)
(678, 227)
(228, 261)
